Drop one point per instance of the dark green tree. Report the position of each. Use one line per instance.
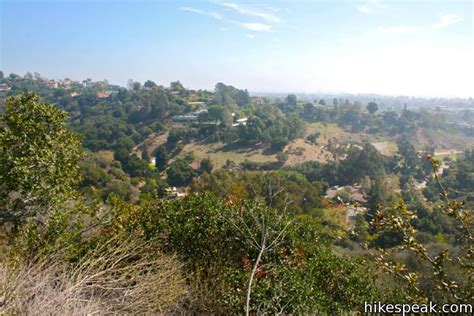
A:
(150, 84)
(161, 158)
(291, 100)
(220, 114)
(372, 107)
(361, 162)
(206, 165)
(180, 173)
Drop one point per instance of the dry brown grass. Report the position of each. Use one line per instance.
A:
(219, 153)
(116, 278)
(152, 142)
(310, 153)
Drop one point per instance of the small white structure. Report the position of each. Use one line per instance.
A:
(199, 112)
(241, 121)
(185, 118)
(191, 117)
(4, 87)
(174, 194)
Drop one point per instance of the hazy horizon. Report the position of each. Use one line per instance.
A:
(403, 48)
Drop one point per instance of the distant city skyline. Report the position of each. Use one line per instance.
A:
(416, 48)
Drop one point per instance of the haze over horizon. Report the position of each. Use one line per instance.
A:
(416, 48)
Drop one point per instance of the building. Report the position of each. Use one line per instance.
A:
(191, 117)
(174, 194)
(353, 191)
(352, 211)
(4, 87)
(52, 84)
(185, 118)
(199, 112)
(197, 103)
(241, 122)
(66, 83)
(104, 94)
(357, 198)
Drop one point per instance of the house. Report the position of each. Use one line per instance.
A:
(4, 87)
(52, 84)
(353, 211)
(331, 192)
(174, 194)
(185, 118)
(199, 112)
(66, 83)
(197, 103)
(353, 191)
(191, 117)
(357, 199)
(195, 165)
(259, 100)
(241, 121)
(104, 94)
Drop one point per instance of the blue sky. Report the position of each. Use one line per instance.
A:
(421, 48)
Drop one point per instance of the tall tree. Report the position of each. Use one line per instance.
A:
(180, 173)
(361, 162)
(220, 114)
(150, 84)
(161, 158)
(291, 100)
(206, 165)
(38, 158)
(372, 107)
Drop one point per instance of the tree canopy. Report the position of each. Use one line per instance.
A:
(38, 157)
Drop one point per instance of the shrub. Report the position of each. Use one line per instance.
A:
(118, 277)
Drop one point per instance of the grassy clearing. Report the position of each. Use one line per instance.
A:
(219, 153)
(451, 154)
(335, 132)
(387, 148)
(105, 155)
(451, 157)
(152, 142)
(301, 150)
(323, 128)
(331, 132)
(441, 140)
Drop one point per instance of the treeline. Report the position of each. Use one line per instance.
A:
(356, 117)
(109, 117)
(113, 117)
